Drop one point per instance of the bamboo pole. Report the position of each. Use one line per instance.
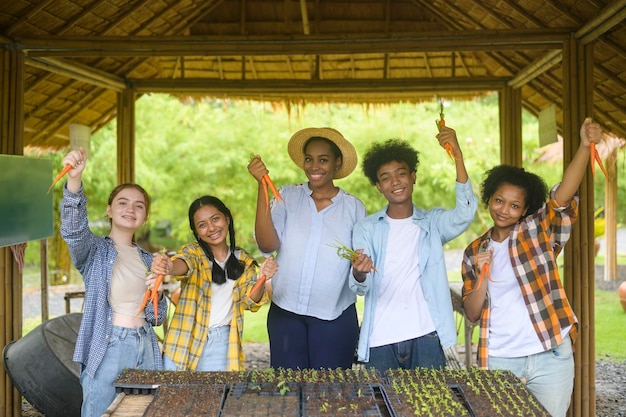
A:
(126, 136)
(579, 280)
(510, 102)
(12, 143)
(610, 218)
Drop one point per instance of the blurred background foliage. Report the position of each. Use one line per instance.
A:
(192, 147)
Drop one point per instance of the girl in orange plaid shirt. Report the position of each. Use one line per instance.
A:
(511, 281)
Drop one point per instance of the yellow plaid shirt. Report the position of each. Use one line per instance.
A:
(534, 245)
(189, 328)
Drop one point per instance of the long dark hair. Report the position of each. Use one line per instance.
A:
(234, 267)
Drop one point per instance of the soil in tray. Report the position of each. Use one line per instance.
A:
(262, 399)
(137, 381)
(186, 400)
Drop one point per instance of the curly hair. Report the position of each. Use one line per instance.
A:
(390, 150)
(534, 187)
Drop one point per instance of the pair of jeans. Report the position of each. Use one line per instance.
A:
(548, 375)
(128, 348)
(214, 355)
(421, 352)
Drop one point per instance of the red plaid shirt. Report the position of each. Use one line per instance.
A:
(534, 244)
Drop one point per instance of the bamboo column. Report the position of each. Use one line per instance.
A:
(11, 143)
(126, 136)
(510, 103)
(579, 268)
(610, 218)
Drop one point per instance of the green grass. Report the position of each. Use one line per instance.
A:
(610, 329)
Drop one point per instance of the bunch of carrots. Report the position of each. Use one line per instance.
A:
(484, 271)
(152, 295)
(267, 182)
(595, 157)
(441, 122)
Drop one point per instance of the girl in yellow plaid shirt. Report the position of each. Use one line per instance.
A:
(217, 280)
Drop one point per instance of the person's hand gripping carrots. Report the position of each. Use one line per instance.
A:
(259, 171)
(441, 123)
(483, 259)
(591, 134)
(73, 166)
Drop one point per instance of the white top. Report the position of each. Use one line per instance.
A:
(401, 312)
(128, 281)
(222, 304)
(511, 332)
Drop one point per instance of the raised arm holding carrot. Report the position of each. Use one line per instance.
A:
(312, 321)
(527, 325)
(112, 336)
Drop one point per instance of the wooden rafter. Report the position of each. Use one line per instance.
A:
(477, 40)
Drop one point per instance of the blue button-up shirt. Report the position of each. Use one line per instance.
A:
(438, 226)
(312, 278)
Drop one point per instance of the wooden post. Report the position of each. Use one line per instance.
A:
(126, 136)
(578, 265)
(11, 143)
(610, 218)
(43, 256)
(510, 102)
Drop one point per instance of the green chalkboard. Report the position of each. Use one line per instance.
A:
(25, 208)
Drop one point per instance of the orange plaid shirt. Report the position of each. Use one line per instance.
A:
(534, 245)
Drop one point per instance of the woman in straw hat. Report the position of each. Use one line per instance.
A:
(312, 321)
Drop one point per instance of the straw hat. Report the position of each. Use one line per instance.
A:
(295, 147)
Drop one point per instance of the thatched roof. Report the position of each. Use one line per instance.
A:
(81, 53)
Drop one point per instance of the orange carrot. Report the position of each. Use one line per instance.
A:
(260, 282)
(595, 157)
(441, 123)
(61, 174)
(484, 272)
(269, 182)
(155, 295)
(265, 194)
(146, 297)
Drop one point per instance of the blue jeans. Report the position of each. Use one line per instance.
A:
(128, 348)
(548, 375)
(214, 355)
(422, 352)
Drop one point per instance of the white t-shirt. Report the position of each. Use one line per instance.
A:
(221, 301)
(401, 310)
(511, 332)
